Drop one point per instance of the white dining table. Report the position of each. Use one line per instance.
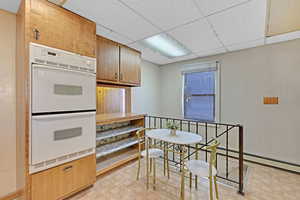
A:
(181, 139)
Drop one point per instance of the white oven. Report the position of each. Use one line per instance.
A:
(62, 81)
(63, 107)
(56, 136)
(57, 90)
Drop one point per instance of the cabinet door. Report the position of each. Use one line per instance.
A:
(130, 69)
(59, 182)
(107, 60)
(57, 27)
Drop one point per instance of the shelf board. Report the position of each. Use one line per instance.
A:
(116, 132)
(114, 147)
(115, 160)
(116, 164)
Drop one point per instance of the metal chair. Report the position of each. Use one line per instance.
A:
(153, 154)
(205, 169)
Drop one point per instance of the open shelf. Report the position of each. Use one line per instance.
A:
(107, 149)
(116, 140)
(106, 163)
(101, 135)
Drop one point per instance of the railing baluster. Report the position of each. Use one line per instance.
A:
(241, 160)
(160, 122)
(216, 129)
(227, 151)
(206, 141)
(181, 125)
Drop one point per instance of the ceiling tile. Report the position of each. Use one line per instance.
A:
(283, 37)
(10, 5)
(196, 36)
(112, 35)
(246, 45)
(166, 14)
(115, 16)
(211, 52)
(209, 7)
(242, 23)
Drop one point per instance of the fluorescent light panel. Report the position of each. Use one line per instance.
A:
(166, 45)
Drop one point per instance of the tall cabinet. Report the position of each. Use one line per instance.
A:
(117, 63)
(56, 27)
(41, 22)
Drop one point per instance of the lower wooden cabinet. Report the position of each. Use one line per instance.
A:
(62, 181)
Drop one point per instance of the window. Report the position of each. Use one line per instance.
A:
(200, 100)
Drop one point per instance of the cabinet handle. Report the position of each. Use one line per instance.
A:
(116, 75)
(36, 34)
(68, 168)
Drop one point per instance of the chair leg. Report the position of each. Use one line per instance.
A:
(211, 197)
(151, 165)
(147, 169)
(154, 174)
(168, 166)
(216, 187)
(191, 181)
(139, 168)
(165, 161)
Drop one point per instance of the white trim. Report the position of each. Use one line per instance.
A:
(201, 67)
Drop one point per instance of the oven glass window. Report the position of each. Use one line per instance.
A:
(67, 89)
(67, 133)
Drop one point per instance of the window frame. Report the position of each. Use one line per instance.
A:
(202, 67)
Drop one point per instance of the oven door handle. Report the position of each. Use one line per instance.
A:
(56, 116)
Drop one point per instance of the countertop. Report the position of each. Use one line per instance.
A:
(102, 119)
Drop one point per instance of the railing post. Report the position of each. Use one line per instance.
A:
(241, 159)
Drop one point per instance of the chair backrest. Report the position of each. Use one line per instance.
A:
(213, 154)
(141, 137)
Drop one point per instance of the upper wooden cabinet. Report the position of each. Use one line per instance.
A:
(117, 64)
(57, 27)
(107, 59)
(130, 70)
(283, 17)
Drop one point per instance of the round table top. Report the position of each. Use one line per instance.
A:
(181, 137)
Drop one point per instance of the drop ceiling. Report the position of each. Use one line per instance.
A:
(205, 27)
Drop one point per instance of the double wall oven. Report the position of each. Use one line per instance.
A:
(63, 107)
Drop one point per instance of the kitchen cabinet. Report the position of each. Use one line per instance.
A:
(57, 27)
(59, 182)
(130, 70)
(117, 64)
(107, 59)
(283, 17)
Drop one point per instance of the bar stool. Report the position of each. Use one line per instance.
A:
(205, 169)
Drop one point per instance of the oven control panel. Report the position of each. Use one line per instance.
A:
(57, 58)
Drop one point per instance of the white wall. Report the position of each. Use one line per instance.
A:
(246, 77)
(7, 103)
(146, 99)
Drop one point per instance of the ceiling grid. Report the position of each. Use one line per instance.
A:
(205, 27)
